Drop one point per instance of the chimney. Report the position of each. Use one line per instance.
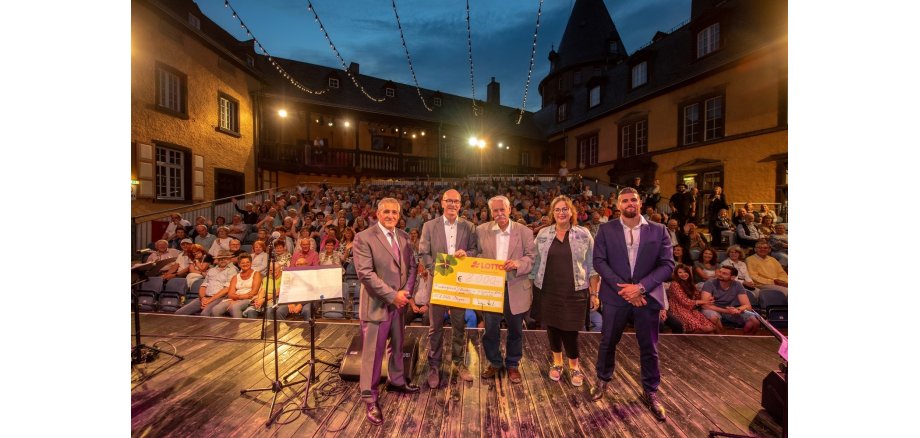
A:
(354, 68)
(493, 92)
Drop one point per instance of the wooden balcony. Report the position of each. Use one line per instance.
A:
(319, 160)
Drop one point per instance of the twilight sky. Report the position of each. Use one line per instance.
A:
(365, 31)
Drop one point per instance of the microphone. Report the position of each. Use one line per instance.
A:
(145, 251)
(275, 235)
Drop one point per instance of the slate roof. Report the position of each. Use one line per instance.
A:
(745, 26)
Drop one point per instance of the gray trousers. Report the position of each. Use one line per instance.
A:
(194, 308)
(235, 308)
(374, 335)
(436, 332)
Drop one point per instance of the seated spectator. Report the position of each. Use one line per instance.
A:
(766, 212)
(594, 224)
(236, 249)
(748, 233)
(307, 252)
(738, 216)
(265, 298)
(673, 232)
(237, 229)
(735, 259)
(163, 252)
(213, 289)
(221, 243)
(180, 268)
(250, 214)
(330, 256)
(727, 302)
(243, 287)
(219, 222)
(203, 237)
(779, 242)
(681, 256)
(721, 227)
(683, 300)
(655, 217)
(201, 261)
(766, 271)
(259, 258)
(695, 241)
(175, 223)
(766, 226)
(282, 256)
(178, 237)
(705, 267)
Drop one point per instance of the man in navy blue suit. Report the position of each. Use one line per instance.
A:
(633, 257)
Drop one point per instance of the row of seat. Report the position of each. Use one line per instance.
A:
(157, 295)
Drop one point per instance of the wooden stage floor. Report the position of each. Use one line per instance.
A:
(709, 383)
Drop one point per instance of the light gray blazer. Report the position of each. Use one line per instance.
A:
(434, 240)
(379, 274)
(521, 249)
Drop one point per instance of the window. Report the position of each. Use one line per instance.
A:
(333, 83)
(229, 113)
(587, 150)
(707, 41)
(170, 174)
(525, 159)
(703, 120)
(170, 89)
(633, 139)
(250, 60)
(612, 47)
(640, 74)
(194, 21)
(714, 120)
(437, 101)
(391, 92)
(562, 112)
(578, 77)
(594, 96)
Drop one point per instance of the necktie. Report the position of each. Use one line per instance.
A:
(395, 247)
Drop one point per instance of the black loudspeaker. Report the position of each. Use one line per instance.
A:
(773, 396)
(351, 363)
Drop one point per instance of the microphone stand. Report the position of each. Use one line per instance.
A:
(270, 284)
(141, 353)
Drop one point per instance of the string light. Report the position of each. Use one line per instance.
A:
(277, 66)
(469, 42)
(533, 51)
(409, 58)
(354, 80)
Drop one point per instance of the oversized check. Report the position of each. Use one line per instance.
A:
(469, 283)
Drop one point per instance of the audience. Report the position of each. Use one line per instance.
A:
(325, 218)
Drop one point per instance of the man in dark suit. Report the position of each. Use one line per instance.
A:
(511, 242)
(451, 235)
(633, 257)
(382, 258)
(681, 204)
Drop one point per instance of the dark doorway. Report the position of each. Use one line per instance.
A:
(228, 183)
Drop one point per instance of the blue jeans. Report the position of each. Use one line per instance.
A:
(513, 344)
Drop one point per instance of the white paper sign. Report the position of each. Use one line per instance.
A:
(311, 284)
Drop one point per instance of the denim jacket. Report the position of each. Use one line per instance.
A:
(582, 245)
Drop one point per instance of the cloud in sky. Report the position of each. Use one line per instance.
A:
(365, 31)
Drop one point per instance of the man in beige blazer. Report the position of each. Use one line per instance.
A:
(513, 243)
(383, 261)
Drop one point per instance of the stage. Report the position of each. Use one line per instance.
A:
(709, 383)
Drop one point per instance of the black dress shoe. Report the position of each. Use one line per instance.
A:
(597, 391)
(651, 399)
(374, 415)
(406, 388)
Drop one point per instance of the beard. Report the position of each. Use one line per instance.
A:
(629, 213)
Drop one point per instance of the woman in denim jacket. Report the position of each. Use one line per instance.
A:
(564, 277)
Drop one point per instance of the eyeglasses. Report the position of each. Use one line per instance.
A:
(561, 210)
(451, 201)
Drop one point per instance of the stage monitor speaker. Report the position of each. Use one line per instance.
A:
(351, 362)
(774, 396)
